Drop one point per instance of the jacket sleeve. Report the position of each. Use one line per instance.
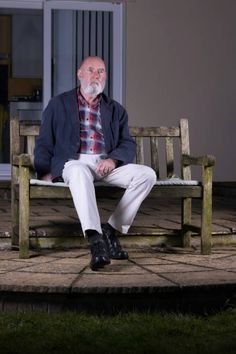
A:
(125, 148)
(45, 143)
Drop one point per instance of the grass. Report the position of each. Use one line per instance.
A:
(71, 333)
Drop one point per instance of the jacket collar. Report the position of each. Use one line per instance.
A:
(106, 106)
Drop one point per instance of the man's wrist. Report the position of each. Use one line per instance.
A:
(115, 162)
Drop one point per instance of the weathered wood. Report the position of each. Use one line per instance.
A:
(139, 150)
(154, 155)
(22, 160)
(43, 192)
(24, 212)
(30, 144)
(207, 160)
(31, 129)
(155, 131)
(185, 148)
(186, 221)
(176, 191)
(14, 207)
(169, 157)
(206, 210)
(14, 136)
(15, 149)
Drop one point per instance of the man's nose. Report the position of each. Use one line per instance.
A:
(96, 74)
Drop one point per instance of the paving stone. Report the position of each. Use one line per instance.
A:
(211, 262)
(224, 263)
(9, 254)
(175, 268)
(62, 266)
(216, 277)
(121, 283)
(36, 282)
(121, 268)
(144, 260)
(69, 253)
(8, 265)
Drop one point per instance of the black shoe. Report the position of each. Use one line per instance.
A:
(113, 245)
(99, 254)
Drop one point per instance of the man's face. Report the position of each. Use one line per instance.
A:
(92, 76)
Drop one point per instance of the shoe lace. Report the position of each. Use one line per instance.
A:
(98, 247)
(113, 241)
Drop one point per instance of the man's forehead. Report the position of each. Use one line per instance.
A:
(94, 63)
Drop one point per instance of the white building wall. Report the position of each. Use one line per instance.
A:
(181, 62)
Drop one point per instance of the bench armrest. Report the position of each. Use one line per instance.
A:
(205, 161)
(25, 160)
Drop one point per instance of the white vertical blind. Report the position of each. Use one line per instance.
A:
(104, 11)
(87, 33)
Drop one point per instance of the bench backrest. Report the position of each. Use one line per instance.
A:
(152, 144)
(165, 146)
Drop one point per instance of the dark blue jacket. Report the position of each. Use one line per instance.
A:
(59, 138)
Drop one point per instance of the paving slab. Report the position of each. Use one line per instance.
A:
(29, 282)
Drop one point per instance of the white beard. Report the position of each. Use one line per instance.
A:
(95, 88)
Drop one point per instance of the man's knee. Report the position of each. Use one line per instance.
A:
(149, 175)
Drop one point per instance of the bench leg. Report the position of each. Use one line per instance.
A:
(14, 218)
(24, 213)
(206, 227)
(186, 220)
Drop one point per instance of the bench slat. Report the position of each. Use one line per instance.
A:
(185, 147)
(155, 155)
(155, 131)
(169, 156)
(139, 150)
(26, 129)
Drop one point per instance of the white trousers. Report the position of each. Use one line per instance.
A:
(80, 175)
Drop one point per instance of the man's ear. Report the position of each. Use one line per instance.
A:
(79, 73)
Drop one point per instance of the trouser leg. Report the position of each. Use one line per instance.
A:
(80, 179)
(138, 181)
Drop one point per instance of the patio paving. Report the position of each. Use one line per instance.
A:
(158, 275)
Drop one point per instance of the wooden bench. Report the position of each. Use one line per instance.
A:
(26, 187)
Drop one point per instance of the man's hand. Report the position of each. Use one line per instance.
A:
(47, 177)
(106, 166)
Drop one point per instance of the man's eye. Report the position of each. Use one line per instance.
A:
(101, 71)
(90, 70)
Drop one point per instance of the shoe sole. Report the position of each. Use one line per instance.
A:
(118, 258)
(100, 265)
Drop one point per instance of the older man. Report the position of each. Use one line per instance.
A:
(84, 137)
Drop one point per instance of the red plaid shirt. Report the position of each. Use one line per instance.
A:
(91, 135)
